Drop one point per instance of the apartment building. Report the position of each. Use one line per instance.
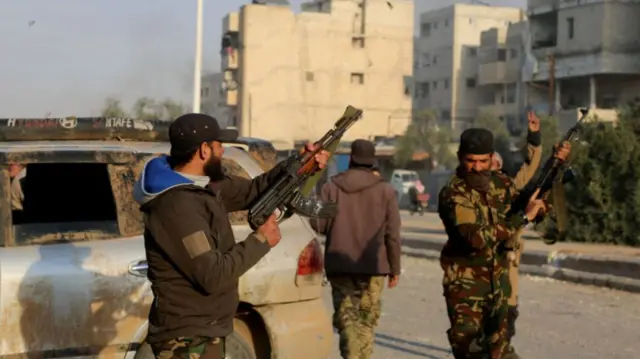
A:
(213, 101)
(588, 51)
(289, 76)
(447, 59)
(501, 91)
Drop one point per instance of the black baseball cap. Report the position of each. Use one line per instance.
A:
(189, 131)
(363, 152)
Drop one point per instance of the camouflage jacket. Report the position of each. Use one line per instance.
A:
(476, 223)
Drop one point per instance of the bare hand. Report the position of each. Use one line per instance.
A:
(321, 158)
(393, 280)
(534, 121)
(271, 231)
(562, 151)
(535, 206)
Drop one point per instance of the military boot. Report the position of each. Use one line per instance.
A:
(512, 315)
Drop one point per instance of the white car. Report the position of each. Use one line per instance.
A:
(72, 262)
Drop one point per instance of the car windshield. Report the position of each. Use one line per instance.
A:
(409, 177)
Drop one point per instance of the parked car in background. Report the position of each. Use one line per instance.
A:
(401, 181)
(72, 262)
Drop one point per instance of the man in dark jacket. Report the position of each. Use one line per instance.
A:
(362, 248)
(194, 260)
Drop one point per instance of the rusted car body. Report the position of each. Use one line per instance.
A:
(79, 288)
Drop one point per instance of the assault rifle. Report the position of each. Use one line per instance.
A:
(284, 194)
(553, 176)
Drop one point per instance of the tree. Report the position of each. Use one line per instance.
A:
(145, 108)
(113, 108)
(603, 201)
(423, 134)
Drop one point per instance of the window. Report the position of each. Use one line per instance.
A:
(425, 29)
(425, 60)
(357, 78)
(502, 55)
(511, 92)
(61, 202)
(473, 52)
(309, 76)
(513, 53)
(423, 89)
(446, 115)
(357, 42)
(435, 59)
(446, 84)
(435, 85)
(435, 25)
(446, 23)
(570, 23)
(471, 82)
(204, 92)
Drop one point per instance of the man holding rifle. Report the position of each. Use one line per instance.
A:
(475, 210)
(522, 177)
(194, 260)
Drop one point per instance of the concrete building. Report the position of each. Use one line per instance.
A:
(290, 76)
(592, 50)
(447, 61)
(501, 91)
(213, 100)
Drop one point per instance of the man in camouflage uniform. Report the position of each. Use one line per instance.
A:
(473, 207)
(521, 178)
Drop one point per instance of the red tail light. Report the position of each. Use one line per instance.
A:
(311, 260)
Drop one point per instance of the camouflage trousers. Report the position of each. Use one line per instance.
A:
(190, 348)
(357, 305)
(478, 321)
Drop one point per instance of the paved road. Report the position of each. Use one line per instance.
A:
(558, 320)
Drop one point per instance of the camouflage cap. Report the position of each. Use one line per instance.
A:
(476, 141)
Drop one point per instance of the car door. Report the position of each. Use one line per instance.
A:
(76, 298)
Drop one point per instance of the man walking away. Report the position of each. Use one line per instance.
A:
(362, 249)
(194, 260)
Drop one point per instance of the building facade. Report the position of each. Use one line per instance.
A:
(213, 101)
(583, 54)
(288, 77)
(447, 60)
(501, 91)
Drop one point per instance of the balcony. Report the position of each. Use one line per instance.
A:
(537, 7)
(231, 23)
(492, 73)
(229, 59)
(231, 97)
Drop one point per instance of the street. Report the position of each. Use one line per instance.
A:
(557, 319)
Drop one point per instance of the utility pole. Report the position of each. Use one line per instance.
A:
(552, 84)
(197, 68)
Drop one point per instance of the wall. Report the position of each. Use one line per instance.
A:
(296, 72)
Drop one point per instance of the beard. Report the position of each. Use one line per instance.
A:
(213, 169)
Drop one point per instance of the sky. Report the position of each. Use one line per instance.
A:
(65, 57)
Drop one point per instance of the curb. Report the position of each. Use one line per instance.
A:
(574, 268)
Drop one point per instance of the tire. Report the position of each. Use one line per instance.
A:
(240, 343)
(144, 352)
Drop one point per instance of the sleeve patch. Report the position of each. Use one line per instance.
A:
(196, 244)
